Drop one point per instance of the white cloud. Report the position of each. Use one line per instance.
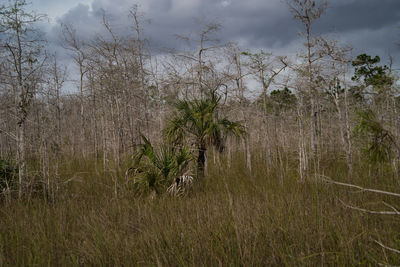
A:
(54, 9)
(225, 3)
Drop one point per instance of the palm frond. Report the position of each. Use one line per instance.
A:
(197, 121)
(147, 150)
(233, 127)
(161, 167)
(183, 158)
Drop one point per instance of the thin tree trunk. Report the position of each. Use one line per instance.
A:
(82, 109)
(201, 160)
(302, 147)
(314, 117)
(349, 156)
(21, 156)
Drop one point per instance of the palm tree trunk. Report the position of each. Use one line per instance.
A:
(201, 160)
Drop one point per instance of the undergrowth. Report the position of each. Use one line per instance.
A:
(232, 217)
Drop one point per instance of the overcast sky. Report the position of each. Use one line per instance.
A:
(370, 26)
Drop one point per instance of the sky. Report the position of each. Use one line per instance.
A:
(369, 26)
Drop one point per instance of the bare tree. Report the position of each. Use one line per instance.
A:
(73, 43)
(236, 71)
(23, 53)
(266, 68)
(56, 76)
(118, 87)
(137, 18)
(338, 59)
(307, 11)
(205, 43)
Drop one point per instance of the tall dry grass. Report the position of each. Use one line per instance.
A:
(232, 217)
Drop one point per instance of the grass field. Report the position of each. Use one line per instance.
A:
(231, 218)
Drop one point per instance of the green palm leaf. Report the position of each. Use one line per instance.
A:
(196, 121)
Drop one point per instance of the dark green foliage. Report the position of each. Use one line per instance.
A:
(357, 94)
(258, 60)
(8, 173)
(277, 101)
(371, 74)
(283, 99)
(159, 167)
(197, 121)
(377, 142)
(335, 87)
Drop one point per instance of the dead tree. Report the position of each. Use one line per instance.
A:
(307, 11)
(266, 68)
(23, 52)
(77, 46)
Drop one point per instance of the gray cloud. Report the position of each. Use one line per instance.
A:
(362, 14)
(368, 25)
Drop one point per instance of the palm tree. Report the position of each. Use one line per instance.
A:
(159, 167)
(197, 120)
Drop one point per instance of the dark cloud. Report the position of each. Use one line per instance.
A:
(368, 25)
(361, 14)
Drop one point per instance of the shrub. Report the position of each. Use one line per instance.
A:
(159, 166)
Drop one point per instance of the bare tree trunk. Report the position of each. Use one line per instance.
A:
(239, 74)
(140, 42)
(303, 165)
(229, 157)
(306, 12)
(82, 109)
(314, 112)
(349, 156)
(21, 156)
(104, 133)
(248, 154)
(94, 119)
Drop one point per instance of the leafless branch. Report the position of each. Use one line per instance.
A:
(328, 180)
(386, 247)
(370, 211)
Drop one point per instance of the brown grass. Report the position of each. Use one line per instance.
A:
(232, 217)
